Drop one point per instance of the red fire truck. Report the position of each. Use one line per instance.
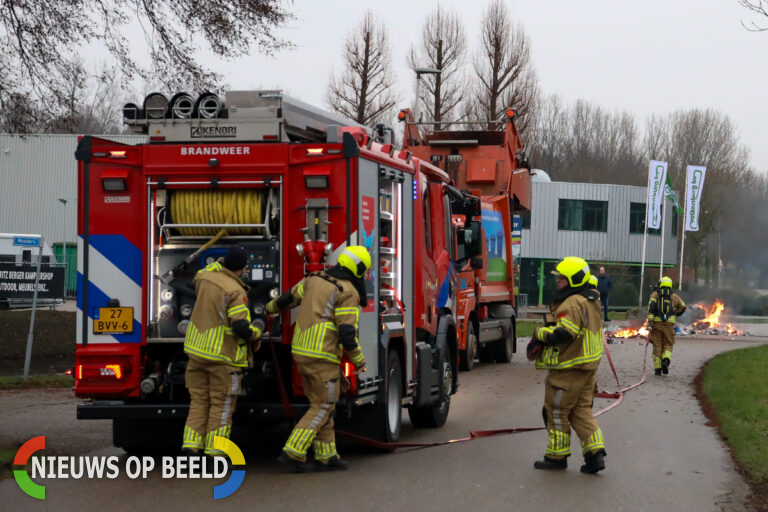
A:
(294, 186)
(492, 165)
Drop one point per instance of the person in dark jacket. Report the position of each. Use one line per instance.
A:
(604, 286)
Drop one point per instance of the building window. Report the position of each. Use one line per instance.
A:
(637, 220)
(526, 218)
(580, 215)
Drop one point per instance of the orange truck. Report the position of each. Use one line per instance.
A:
(490, 164)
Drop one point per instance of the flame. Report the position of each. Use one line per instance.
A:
(712, 318)
(631, 333)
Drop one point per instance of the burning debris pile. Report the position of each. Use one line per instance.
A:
(709, 321)
(630, 332)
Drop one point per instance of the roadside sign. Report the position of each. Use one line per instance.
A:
(26, 241)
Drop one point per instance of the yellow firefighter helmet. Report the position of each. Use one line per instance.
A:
(574, 269)
(355, 258)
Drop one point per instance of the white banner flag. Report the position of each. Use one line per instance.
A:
(694, 183)
(657, 177)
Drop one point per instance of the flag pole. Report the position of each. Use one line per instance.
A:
(663, 235)
(645, 241)
(682, 242)
(642, 266)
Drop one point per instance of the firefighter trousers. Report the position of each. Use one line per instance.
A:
(663, 338)
(321, 382)
(568, 403)
(213, 390)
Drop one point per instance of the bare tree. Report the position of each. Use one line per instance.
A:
(38, 38)
(757, 7)
(364, 90)
(503, 68)
(443, 46)
(93, 102)
(583, 142)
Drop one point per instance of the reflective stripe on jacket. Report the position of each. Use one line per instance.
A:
(221, 300)
(326, 305)
(580, 318)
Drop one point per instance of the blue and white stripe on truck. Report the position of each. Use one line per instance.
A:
(115, 272)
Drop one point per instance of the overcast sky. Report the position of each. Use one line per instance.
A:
(653, 56)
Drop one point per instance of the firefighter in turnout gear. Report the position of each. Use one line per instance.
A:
(218, 342)
(663, 309)
(570, 346)
(327, 323)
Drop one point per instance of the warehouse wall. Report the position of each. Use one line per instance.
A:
(545, 240)
(35, 172)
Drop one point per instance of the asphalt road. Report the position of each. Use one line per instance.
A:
(661, 455)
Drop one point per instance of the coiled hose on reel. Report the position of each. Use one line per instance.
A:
(237, 206)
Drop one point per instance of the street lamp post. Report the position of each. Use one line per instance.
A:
(64, 220)
(419, 72)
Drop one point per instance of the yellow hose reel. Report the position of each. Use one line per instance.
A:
(237, 206)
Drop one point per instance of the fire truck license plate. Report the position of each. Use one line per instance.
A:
(114, 321)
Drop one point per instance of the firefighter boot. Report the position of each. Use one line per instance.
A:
(548, 463)
(657, 371)
(294, 465)
(665, 365)
(335, 463)
(594, 462)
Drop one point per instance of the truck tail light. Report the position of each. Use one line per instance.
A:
(101, 371)
(349, 373)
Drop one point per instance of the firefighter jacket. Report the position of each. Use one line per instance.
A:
(665, 307)
(573, 334)
(219, 329)
(328, 318)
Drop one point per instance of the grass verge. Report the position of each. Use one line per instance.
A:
(525, 328)
(734, 383)
(37, 381)
(6, 463)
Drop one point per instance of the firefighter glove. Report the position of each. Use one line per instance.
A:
(534, 349)
(271, 307)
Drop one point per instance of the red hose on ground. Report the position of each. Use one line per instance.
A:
(476, 434)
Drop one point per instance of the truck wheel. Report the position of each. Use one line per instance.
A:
(393, 408)
(435, 415)
(505, 348)
(467, 356)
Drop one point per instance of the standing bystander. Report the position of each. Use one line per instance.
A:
(604, 286)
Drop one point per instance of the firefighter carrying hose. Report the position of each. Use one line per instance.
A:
(663, 309)
(327, 322)
(570, 346)
(218, 342)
